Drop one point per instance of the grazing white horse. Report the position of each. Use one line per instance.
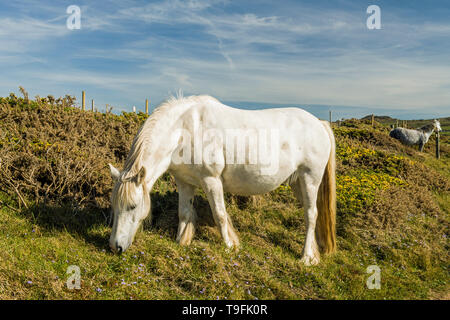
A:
(195, 138)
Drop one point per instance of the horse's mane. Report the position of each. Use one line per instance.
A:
(143, 139)
(123, 194)
(123, 191)
(426, 128)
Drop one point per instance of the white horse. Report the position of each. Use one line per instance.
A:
(194, 138)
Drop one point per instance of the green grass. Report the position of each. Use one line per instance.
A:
(35, 253)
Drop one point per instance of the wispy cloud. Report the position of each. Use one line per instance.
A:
(19, 35)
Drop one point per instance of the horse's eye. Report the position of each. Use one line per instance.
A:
(132, 207)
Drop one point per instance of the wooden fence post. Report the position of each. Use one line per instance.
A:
(93, 105)
(330, 116)
(146, 106)
(396, 124)
(373, 120)
(83, 100)
(438, 153)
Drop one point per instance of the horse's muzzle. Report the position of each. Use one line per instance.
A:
(116, 247)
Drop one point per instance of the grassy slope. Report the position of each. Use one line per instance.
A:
(388, 215)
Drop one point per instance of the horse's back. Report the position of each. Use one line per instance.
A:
(406, 136)
(227, 117)
(294, 126)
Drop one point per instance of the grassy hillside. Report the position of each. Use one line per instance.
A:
(393, 211)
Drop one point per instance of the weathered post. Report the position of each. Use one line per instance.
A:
(83, 100)
(93, 105)
(146, 106)
(373, 120)
(396, 124)
(330, 116)
(438, 153)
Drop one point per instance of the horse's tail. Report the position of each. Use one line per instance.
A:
(326, 201)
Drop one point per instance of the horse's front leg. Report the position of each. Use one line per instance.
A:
(214, 191)
(186, 213)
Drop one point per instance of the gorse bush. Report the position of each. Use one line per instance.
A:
(52, 151)
(356, 193)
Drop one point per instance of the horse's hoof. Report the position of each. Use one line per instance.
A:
(310, 261)
(231, 249)
(229, 244)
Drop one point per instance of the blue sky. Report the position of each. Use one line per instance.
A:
(304, 53)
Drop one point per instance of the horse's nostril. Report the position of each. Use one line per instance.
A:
(118, 248)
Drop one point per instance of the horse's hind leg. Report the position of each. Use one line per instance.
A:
(214, 191)
(297, 190)
(309, 186)
(186, 213)
(421, 145)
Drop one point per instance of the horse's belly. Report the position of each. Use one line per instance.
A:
(238, 179)
(252, 180)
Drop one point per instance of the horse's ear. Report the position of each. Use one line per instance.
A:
(115, 174)
(141, 176)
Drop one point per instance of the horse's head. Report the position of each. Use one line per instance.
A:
(130, 201)
(437, 125)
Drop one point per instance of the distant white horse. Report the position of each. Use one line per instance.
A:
(417, 136)
(195, 139)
